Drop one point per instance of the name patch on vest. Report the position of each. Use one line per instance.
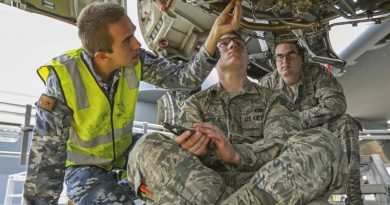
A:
(47, 103)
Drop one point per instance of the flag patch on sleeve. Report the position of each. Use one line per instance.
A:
(47, 103)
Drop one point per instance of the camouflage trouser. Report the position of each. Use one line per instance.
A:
(93, 185)
(312, 164)
(347, 130)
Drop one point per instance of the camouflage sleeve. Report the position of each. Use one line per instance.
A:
(46, 164)
(331, 100)
(188, 76)
(266, 81)
(280, 123)
(191, 113)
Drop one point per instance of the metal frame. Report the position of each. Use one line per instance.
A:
(9, 192)
(376, 181)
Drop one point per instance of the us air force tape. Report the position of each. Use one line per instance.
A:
(47, 103)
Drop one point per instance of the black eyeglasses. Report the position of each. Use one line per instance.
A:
(225, 41)
(289, 56)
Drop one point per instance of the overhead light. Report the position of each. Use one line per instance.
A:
(388, 122)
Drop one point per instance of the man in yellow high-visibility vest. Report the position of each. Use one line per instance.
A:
(84, 118)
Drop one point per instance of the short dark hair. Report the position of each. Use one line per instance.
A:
(93, 23)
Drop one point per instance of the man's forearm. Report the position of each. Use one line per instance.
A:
(45, 171)
(252, 157)
(188, 76)
(322, 113)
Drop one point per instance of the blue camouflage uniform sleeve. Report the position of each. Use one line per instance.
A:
(46, 164)
(188, 76)
(280, 123)
(331, 100)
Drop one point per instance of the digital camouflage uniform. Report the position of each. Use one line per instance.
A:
(321, 102)
(169, 105)
(93, 185)
(256, 120)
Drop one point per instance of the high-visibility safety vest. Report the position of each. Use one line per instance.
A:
(100, 133)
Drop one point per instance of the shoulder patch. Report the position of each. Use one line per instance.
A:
(287, 103)
(46, 102)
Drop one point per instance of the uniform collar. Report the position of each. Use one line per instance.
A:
(280, 83)
(88, 61)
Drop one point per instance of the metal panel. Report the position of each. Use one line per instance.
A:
(64, 10)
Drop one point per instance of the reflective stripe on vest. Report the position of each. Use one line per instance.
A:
(71, 66)
(87, 160)
(96, 123)
(102, 139)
